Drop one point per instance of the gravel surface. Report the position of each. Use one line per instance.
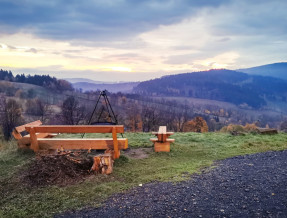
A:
(243, 186)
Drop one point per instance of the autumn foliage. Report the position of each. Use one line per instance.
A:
(198, 124)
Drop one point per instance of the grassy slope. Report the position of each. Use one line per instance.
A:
(190, 152)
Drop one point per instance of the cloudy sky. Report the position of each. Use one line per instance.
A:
(134, 40)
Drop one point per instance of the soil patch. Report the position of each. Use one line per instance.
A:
(58, 170)
(138, 153)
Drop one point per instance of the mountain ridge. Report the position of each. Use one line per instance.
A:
(223, 85)
(126, 87)
(277, 70)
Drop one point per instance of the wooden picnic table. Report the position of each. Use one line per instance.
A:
(162, 142)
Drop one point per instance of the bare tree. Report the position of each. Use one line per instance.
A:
(133, 118)
(11, 117)
(150, 118)
(72, 111)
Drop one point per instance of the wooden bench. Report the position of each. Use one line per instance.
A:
(266, 131)
(114, 144)
(24, 140)
(162, 142)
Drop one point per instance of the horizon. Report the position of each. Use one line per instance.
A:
(85, 79)
(127, 41)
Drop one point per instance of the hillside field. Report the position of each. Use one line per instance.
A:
(190, 153)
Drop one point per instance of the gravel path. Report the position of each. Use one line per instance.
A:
(243, 186)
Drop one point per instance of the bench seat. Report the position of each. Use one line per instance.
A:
(81, 143)
(156, 140)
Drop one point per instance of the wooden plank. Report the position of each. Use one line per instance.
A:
(25, 141)
(34, 142)
(77, 129)
(168, 133)
(20, 129)
(72, 143)
(116, 146)
(156, 140)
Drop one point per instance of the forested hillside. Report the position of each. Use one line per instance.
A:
(223, 85)
(39, 80)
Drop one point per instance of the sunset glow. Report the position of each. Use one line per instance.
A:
(101, 45)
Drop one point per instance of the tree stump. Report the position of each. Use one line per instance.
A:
(103, 164)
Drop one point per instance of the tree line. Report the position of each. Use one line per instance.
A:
(40, 80)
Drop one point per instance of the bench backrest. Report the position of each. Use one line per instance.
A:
(19, 129)
(162, 130)
(76, 129)
(162, 134)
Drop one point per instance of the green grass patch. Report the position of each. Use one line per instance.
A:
(190, 153)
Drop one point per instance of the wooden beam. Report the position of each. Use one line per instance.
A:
(16, 134)
(22, 128)
(71, 143)
(77, 129)
(34, 142)
(25, 140)
(116, 146)
(167, 133)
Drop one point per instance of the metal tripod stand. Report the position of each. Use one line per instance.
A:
(109, 109)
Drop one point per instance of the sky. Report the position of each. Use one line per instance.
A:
(136, 40)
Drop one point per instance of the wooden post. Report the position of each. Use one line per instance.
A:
(34, 141)
(116, 146)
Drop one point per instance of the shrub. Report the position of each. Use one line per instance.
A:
(249, 128)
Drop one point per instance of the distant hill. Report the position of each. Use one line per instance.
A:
(79, 80)
(114, 87)
(223, 85)
(277, 70)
